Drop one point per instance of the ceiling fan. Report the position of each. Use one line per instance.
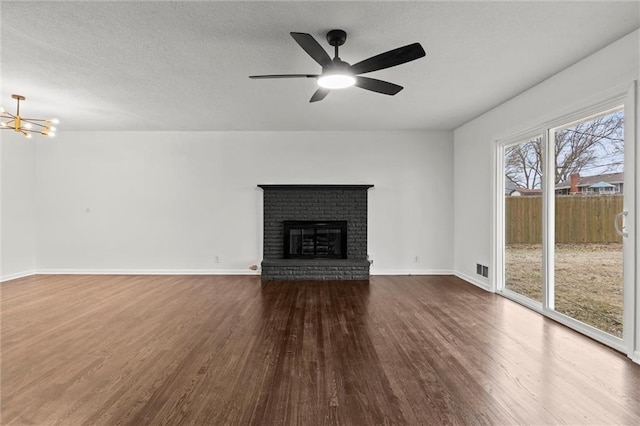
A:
(337, 74)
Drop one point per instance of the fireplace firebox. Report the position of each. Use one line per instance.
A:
(310, 239)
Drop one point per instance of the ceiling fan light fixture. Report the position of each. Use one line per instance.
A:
(336, 81)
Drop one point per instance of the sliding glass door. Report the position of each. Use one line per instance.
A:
(564, 195)
(523, 258)
(589, 204)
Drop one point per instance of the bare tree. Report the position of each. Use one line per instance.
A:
(523, 164)
(577, 148)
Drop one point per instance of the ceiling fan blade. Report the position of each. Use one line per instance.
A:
(285, 76)
(388, 59)
(379, 86)
(312, 47)
(319, 95)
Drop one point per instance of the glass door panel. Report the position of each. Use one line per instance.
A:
(523, 218)
(589, 181)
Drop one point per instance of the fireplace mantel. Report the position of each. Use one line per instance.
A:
(315, 186)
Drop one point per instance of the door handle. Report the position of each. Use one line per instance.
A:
(621, 231)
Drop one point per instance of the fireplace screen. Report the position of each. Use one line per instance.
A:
(315, 239)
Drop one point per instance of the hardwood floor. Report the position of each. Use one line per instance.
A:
(232, 350)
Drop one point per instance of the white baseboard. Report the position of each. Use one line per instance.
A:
(460, 275)
(148, 272)
(411, 272)
(471, 280)
(16, 276)
(636, 357)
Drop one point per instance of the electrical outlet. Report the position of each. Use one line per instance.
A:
(478, 269)
(217, 259)
(485, 271)
(417, 259)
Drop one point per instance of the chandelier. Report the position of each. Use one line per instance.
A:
(26, 126)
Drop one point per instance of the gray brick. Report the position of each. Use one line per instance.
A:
(332, 203)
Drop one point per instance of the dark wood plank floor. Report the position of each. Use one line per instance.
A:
(232, 350)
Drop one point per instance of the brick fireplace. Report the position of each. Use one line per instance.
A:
(315, 210)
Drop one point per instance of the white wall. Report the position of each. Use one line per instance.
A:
(617, 65)
(172, 201)
(608, 68)
(18, 230)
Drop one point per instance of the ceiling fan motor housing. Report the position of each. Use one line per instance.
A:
(337, 65)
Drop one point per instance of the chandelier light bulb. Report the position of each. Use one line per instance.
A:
(53, 129)
(28, 125)
(27, 135)
(3, 124)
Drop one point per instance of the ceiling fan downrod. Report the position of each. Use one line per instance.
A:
(336, 38)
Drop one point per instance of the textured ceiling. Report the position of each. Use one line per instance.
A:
(184, 65)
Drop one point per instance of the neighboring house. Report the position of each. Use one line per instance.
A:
(605, 184)
(513, 190)
(525, 192)
(609, 183)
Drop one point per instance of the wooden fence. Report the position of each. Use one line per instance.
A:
(579, 219)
